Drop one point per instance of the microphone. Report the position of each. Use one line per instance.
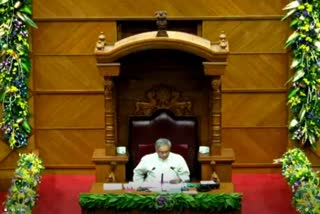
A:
(161, 178)
(147, 173)
(173, 169)
(176, 180)
(150, 171)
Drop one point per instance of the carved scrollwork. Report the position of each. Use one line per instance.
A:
(163, 97)
(215, 84)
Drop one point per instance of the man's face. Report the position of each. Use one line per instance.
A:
(163, 151)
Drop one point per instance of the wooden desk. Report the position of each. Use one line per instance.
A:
(97, 188)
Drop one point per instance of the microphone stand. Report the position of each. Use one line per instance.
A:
(161, 182)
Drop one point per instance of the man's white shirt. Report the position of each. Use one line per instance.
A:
(152, 168)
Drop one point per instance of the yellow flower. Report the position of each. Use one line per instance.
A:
(12, 89)
(306, 27)
(306, 81)
(309, 8)
(309, 39)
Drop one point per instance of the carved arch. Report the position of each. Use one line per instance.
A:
(148, 41)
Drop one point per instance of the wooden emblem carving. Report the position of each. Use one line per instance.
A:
(162, 23)
(163, 97)
(223, 41)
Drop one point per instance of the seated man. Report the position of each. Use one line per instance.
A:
(162, 166)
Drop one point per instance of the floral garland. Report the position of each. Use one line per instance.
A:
(304, 94)
(23, 192)
(15, 70)
(162, 202)
(305, 183)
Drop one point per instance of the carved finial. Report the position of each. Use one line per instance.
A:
(162, 23)
(101, 43)
(223, 40)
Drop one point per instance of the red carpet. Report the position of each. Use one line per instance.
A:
(262, 193)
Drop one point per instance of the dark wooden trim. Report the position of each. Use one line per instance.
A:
(67, 92)
(144, 18)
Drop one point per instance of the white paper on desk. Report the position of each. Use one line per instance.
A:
(207, 182)
(112, 186)
(165, 187)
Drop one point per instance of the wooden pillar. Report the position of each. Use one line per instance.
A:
(108, 71)
(110, 167)
(215, 114)
(109, 117)
(215, 70)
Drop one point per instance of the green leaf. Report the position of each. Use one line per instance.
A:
(292, 38)
(298, 75)
(294, 22)
(26, 19)
(3, 1)
(26, 64)
(293, 92)
(293, 123)
(3, 96)
(311, 138)
(302, 113)
(26, 9)
(291, 5)
(26, 126)
(288, 14)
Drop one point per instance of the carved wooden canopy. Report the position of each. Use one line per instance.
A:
(196, 45)
(214, 55)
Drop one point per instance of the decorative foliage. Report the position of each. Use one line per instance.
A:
(307, 198)
(163, 202)
(23, 192)
(304, 182)
(295, 166)
(15, 69)
(304, 93)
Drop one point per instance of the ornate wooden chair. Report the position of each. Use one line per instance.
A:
(181, 131)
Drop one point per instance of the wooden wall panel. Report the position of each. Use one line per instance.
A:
(70, 37)
(254, 110)
(63, 148)
(70, 111)
(5, 150)
(249, 36)
(10, 160)
(256, 72)
(59, 73)
(256, 145)
(175, 8)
